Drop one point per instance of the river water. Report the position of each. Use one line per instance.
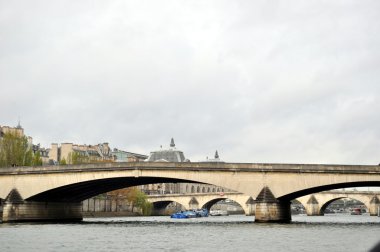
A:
(333, 232)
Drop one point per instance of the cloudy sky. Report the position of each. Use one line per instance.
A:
(259, 81)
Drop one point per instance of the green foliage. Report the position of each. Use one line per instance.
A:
(63, 161)
(15, 151)
(77, 158)
(138, 199)
(81, 158)
(147, 208)
(37, 160)
(143, 203)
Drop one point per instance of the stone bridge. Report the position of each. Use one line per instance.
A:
(56, 192)
(201, 200)
(314, 204)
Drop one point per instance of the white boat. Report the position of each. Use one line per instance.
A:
(218, 212)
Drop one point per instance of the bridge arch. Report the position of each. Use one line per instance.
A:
(196, 201)
(241, 200)
(78, 192)
(361, 199)
(160, 207)
(327, 203)
(316, 204)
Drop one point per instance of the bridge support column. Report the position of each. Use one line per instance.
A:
(17, 210)
(42, 211)
(269, 209)
(312, 207)
(251, 207)
(193, 203)
(374, 206)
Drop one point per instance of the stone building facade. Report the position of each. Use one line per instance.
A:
(18, 131)
(94, 153)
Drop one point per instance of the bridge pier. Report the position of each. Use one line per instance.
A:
(374, 206)
(193, 203)
(269, 209)
(15, 209)
(41, 211)
(250, 207)
(312, 207)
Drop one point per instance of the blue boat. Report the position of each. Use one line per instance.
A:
(190, 214)
(201, 212)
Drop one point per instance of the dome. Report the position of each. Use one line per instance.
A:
(169, 155)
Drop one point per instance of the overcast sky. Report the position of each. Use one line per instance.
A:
(259, 81)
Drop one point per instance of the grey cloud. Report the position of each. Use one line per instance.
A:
(260, 81)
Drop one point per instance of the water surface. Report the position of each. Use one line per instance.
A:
(336, 232)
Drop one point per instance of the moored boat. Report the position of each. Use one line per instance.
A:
(218, 212)
(190, 214)
(201, 212)
(356, 211)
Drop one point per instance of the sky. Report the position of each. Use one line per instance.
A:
(259, 81)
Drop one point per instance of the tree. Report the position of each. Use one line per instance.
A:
(142, 202)
(15, 151)
(63, 161)
(37, 160)
(77, 158)
(136, 198)
(81, 158)
(147, 208)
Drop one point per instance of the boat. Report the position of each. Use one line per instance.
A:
(201, 212)
(218, 212)
(356, 211)
(190, 214)
(183, 215)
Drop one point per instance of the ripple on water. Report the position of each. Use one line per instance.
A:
(230, 233)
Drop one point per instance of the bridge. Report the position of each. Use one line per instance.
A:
(314, 204)
(200, 200)
(56, 192)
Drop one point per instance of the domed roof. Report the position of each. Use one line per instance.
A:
(168, 155)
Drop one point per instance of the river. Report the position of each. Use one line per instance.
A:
(333, 232)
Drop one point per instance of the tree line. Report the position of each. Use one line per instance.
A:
(15, 150)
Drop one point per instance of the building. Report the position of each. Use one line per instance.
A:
(125, 156)
(167, 155)
(216, 159)
(172, 154)
(18, 131)
(72, 153)
(44, 154)
(66, 152)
